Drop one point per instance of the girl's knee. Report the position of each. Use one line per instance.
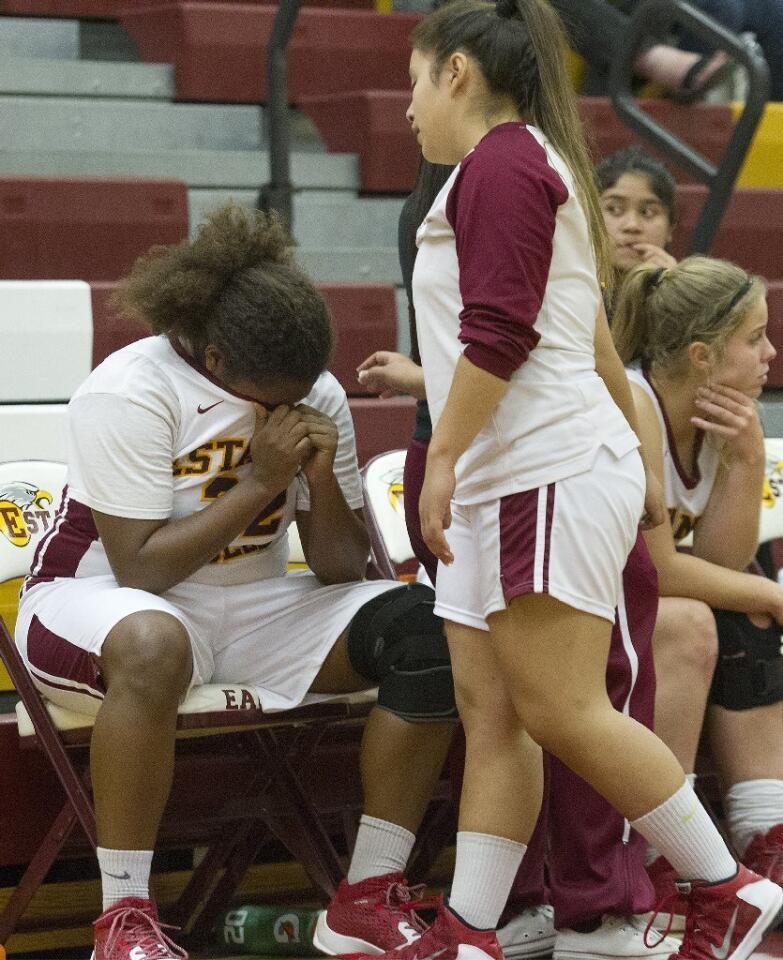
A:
(149, 651)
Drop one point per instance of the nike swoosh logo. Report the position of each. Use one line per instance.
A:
(723, 950)
(201, 409)
(688, 817)
(118, 876)
(408, 932)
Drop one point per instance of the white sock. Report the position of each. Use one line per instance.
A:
(682, 830)
(653, 854)
(381, 847)
(483, 875)
(124, 873)
(754, 806)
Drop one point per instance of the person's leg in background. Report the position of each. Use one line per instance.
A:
(596, 861)
(745, 727)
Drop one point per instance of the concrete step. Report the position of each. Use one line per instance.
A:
(86, 78)
(351, 265)
(81, 123)
(320, 218)
(772, 413)
(49, 39)
(237, 169)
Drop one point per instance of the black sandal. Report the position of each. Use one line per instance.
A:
(691, 90)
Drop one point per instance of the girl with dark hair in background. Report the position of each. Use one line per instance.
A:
(639, 203)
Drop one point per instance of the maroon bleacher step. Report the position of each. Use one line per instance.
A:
(85, 228)
(219, 48)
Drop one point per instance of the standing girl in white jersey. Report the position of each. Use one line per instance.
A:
(190, 454)
(534, 488)
(695, 338)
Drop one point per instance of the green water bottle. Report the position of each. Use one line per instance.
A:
(281, 930)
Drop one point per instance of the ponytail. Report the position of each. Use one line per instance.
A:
(631, 321)
(553, 109)
(660, 312)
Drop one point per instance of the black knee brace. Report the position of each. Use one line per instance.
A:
(750, 663)
(396, 641)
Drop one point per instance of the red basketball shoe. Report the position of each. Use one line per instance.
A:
(663, 876)
(765, 854)
(727, 920)
(446, 939)
(130, 930)
(372, 916)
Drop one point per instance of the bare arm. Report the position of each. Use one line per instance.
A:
(728, 531)
(154, 555)
(686, 575)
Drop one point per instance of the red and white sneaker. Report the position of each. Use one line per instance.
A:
(728, 920)
(372, 916)
(663, 877)
(765, 855)
(130, 930)
(447, 939)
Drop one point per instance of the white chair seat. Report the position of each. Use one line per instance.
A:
(208, 698)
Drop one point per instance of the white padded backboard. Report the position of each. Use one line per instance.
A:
(46, 332)
(30, 493)
(34, 431)
(383, 488)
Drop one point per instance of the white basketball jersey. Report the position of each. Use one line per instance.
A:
(153, 436)
(687, 495)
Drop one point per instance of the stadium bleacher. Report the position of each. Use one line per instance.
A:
(89, 229)
(219, 51)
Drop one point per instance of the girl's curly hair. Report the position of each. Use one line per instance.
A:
(235, 286)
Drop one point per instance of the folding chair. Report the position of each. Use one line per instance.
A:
(249, 758)
(390, 544)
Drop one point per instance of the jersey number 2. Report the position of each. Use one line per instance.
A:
(268, 520)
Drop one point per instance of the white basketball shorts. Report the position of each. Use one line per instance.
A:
(272, 635)
(569, 539)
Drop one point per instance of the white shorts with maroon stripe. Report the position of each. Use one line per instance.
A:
(272, 635)
(569, 539)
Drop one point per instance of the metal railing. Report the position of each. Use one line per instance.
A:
(276, 194)
(651, 19)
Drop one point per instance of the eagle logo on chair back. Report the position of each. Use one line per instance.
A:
(25, 511)
(393, 480)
